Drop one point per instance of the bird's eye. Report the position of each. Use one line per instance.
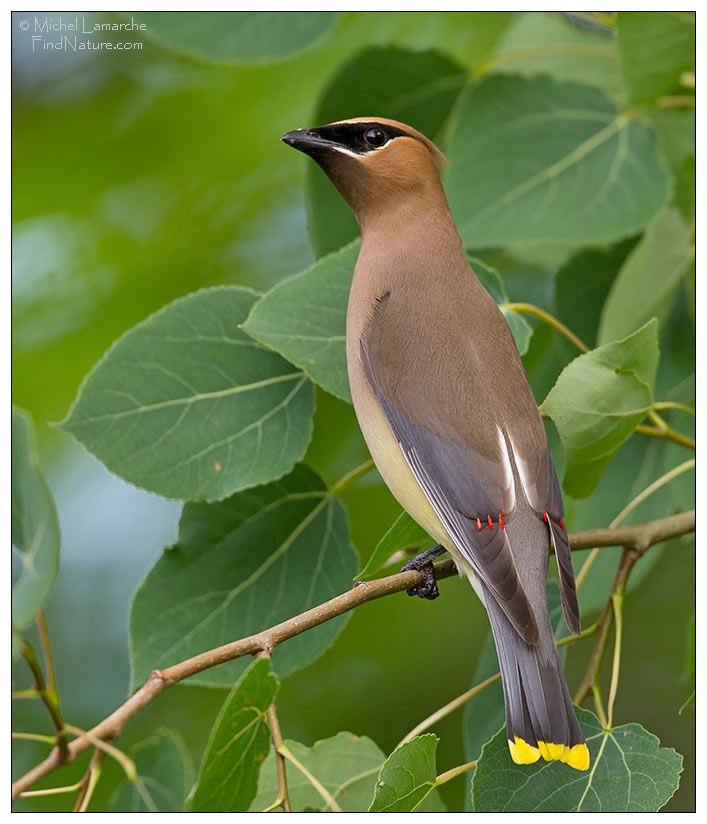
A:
(374, 136)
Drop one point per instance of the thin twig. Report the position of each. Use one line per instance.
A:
(283, 796)
(643, 535)
(460, 700)
(454, 772)
(50, 702)
(88, 783)
(449, 708)
(47, 654)
(125, 762)
(591, 676)
(682, 407)
(320, 788)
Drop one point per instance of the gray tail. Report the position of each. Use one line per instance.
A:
(540, 718)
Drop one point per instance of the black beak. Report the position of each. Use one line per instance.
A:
(307, 141)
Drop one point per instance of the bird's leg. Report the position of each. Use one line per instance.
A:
(423, 564)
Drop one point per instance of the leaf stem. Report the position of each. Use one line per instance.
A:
(531, 309)
(47, 654)
(325, 794)
(454, 772)
(52, 790)
(50, 701)
(351, 477)
(283, 796)
(84, 796)
(617, 600)
(460, 700)
(683, 407)
(33, 736)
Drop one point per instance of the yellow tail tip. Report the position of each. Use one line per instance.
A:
(524, 753)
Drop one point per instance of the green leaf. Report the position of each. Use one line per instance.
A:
(582, 284)
(548, 43)
(629, 772)
(420, 89)
(494, 285)
(407, 777)
(237, 36)
(647, 282)
(346, 765)
(186, 405)
(404, 533)
(304, 318)
(166, 775)
(655, 49)
(597, 402)
(536, 161)
(238, 744)
(675, 129)
(239, 567)
(35, 525)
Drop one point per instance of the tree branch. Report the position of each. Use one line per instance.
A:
(638, 538)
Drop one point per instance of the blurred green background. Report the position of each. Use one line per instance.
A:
(140, 176)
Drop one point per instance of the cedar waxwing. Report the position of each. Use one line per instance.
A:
(449, 417)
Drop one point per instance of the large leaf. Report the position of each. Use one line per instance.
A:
(304, 318)
(35, 526)
(536, 161)
(420, 89)
(236, 36)
(629, 772)
(407, 777)
(346, 765)
(238, 744)
(675, 129)
(548, 43)
(647, 282)
(166, 775)
(185, 404)
(597, 402)
(655, 49)
(404, 533)
(240, 566)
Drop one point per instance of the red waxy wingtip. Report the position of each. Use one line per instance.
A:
(478, 522)
(490, 522)
(500, 521)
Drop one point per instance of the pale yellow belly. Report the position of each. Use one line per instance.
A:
(399, 478)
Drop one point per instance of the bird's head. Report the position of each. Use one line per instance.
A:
(374, 162)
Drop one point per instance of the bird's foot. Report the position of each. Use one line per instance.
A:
(423, 563)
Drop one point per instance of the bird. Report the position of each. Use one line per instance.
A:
(449, 417)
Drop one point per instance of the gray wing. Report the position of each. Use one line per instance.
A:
(471, 492)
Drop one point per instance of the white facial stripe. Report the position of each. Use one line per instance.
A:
(360, 154)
